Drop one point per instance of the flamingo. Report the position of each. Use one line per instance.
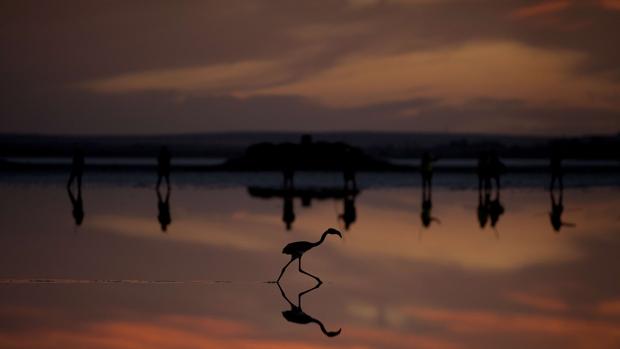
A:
(298, 248)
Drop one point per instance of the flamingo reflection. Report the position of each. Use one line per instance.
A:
(298, 316)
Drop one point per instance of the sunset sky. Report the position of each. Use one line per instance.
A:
(520, 67)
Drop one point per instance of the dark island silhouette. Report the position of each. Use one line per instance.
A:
(308, 156)
(345, 152)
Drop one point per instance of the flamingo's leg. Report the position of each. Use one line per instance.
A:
(303, 271)
(284, 268)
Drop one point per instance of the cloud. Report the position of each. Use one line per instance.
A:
(542, 8)
(220, 233)
(503, 70)
(536, 301)
(222, 79)
(609, 308)
(500, 70)
(339, 54)
(610, 4)
(581, 331)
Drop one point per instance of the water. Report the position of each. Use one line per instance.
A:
(127, 161)
(118, 281)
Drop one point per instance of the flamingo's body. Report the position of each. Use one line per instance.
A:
(298, 248)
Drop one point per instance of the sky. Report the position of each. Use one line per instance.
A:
(461, 66)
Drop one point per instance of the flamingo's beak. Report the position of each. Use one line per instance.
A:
(335, 232)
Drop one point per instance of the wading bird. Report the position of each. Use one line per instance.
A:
(297, 250)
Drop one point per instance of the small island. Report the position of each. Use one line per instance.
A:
(307, 156)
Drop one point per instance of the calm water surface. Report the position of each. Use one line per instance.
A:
(119, 281)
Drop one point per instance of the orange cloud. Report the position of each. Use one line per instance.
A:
(543, 8)
(610, 4)
(164, 332)
(611, 307)
(607, 334)
(537, 302)
(390, 338)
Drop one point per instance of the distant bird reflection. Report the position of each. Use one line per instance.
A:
(490, 169)
(496, 209)
(77, 204)
(288, 194)
(298, 316)
(297, 249)
(483, 207)
(77, 170)
(288, 208)
(427, 206)
(426, 169)
(557, 206)
(163, 208)
(349, 215)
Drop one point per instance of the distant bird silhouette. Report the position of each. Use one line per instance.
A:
(297, 250)
(163, 166)
(77, 167)
(557, 172)
(426, 169)
(298, 316)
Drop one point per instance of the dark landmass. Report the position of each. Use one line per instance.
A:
(307, 155)
(380, 145)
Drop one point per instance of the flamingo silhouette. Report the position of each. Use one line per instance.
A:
(298, 316)
(298, 248)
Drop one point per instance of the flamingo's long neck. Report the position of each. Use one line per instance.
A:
(321, 240)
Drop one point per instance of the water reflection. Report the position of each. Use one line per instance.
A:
(538, 291)
(288, 208)
(490, 169)
(298, 316)
(426, 171)
(163, 209)
(496, 209)
(77, 204)
(349, 214)
(557, 206)
(288, 193)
